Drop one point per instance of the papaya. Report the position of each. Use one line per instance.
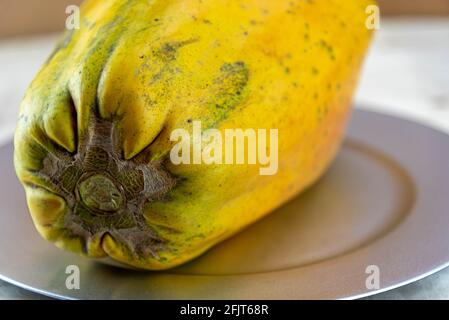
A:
(94, 140)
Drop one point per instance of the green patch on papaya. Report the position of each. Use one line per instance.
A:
(228, 90)
(168, 51)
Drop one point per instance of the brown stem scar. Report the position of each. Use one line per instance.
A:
(106, 193)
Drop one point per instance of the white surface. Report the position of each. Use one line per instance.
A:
(20, 59)
(406, 73)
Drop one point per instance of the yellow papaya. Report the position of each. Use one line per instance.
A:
(94, 142)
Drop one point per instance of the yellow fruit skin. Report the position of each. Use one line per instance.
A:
(154, 66)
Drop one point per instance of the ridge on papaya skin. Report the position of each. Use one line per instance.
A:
(92, 145)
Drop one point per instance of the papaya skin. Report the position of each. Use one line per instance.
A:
(92, 143)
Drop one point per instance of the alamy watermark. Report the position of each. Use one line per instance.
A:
(372, 282)
(372, 22)
(73, 19)
(232, 146)
(72, 281)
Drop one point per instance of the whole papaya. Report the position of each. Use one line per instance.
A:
(94, 142)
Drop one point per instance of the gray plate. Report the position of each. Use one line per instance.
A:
(384, 202)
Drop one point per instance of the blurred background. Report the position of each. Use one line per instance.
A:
(18, 17)
(406, 72)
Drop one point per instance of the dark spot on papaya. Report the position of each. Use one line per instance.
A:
(169, 50)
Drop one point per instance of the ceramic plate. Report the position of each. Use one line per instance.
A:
(382, 208)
